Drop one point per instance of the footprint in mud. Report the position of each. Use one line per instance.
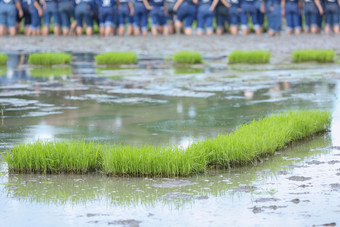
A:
(257, 209)
(335, 187)
(299, 178)
(333, 162)
(129, 222)
(264, 200)
(315, 162)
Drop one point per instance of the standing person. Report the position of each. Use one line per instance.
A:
(158, 14)
(311, 16)
(36, 12)
(222, 15)
(260, 12)
(234, 15)
(107, 14)
(50, 8)
(274, 17)
(205, 17)
(125, 14)
(290, 9)
(248, 9)
(66, 12)
(140, 18)
(8, 15)
(84, 11)
(26, 17)
(331, 11)
(186, 10)
(171, 18)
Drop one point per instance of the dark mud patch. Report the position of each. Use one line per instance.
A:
(245, 188)
(282, 172)
(315, 162)
(177, 195)
(261, 209)
(296, 201)
(264, 200)
(334, 148)
(174, 184)
(299, 178)
(327, 224)
(96, 215)
(335, 186)
(333, 162)
(129, 222)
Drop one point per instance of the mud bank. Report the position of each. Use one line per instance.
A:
(210, 47)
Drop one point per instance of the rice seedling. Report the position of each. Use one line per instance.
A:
(3, 59)
(260, 138)
(248, 143)
(48, 72)
(321, 56)
(116, 58)
(49, 58)
(55, 157)
(251, 57)
(187, 57)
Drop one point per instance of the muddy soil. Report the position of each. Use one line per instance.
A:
(150, 47)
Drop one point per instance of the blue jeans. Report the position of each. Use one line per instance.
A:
(124, 15)
(83, 11)
(66, 11)
(158, 17)
(234, 15)
(249, 9)
(35, 18)
(222, 16)
(107, 16)
(310, 13)
(204, 17)
(274, 18)
(187, 12)
(8, 14)
(141, 16)
(332, 14)
(292, 16)
(51, 11)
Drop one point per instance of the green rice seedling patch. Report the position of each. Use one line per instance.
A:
(321, 56)
(244, 146)
(116, 58)
(49, 71)
(49, 59)
(187, 57)
(249, 57)
(3, 59)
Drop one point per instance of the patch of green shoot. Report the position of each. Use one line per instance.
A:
(321, 56)
(116, 58)
(187, 57)
(249, 57)
(49, 59)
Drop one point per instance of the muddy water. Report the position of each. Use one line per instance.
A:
(156, 103)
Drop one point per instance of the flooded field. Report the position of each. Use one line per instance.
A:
(158, 103)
